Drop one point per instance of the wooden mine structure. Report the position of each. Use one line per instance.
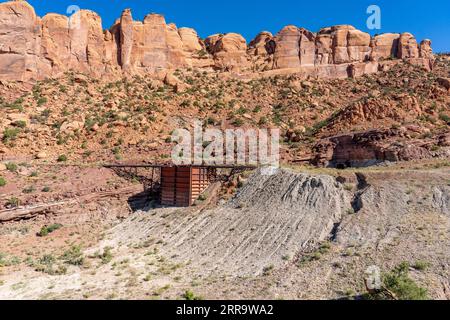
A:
(173, 185)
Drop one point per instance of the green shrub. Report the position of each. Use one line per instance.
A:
(348, 187)
(46, 189)
(29, 189)
(202, 53)
(106, 256)
(11, 166)
(73, 256)
(116, 150)
(238, 122)
(46, 264)
(262, 121)
(399, 286)
(421, 265)
(257, 109)
(324, 248)
(12, 261)
(10, 134)
(2, 182)
(211, 121)
(268, 270)
(189, 295)
(399, 282)
(444, 117)
(2, 259)
(148, 277)
(62, 158)
(13, 202)
(45, 230)
(41, 101)
(20, 123)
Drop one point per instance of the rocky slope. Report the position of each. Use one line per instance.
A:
(36, 48)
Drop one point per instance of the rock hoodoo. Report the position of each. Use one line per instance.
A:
(33, 48)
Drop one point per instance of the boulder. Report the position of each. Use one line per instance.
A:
(172, 80)
(41, 155)
(71, 126)
(16, 117)
(444, 82)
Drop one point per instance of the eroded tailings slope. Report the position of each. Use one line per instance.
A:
(271, 217)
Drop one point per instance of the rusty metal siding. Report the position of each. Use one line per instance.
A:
(176, 186)
(181, 186)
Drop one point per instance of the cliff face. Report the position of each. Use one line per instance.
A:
(32, 48)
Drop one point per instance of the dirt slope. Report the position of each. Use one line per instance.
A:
(271, 217)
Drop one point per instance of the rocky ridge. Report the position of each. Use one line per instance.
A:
(33, 48)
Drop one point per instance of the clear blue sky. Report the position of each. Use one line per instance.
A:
(425, 19)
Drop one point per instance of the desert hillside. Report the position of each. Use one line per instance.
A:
(90, 120)
(363, 183)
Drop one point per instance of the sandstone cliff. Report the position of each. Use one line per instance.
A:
(32, 48)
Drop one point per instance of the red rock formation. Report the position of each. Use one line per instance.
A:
(31, 48)
(229, 51)
(425, 49)
(55, 43)
(407, 46)
(287, 53)
(125, 28)
(263, 45)
(384, 46)
(20, 37)
(190, 39)
(368, 148)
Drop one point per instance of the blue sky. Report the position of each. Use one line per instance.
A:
(425, 19)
